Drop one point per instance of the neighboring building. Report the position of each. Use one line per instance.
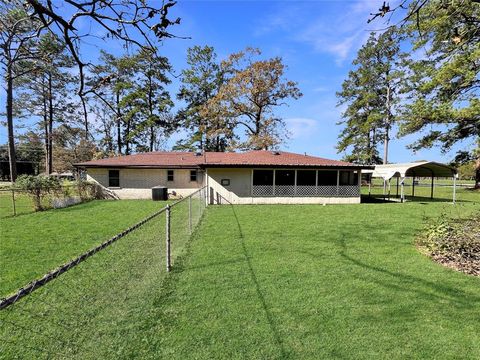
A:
(253, 177)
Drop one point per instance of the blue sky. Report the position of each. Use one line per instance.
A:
(317, 41)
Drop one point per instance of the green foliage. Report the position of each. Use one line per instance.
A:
(135, 106)
(442, 93)
(467, 171)
(371, 93)
(86, 190)
(38, 187)
(201, 81)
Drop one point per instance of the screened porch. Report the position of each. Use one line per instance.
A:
(305, 183)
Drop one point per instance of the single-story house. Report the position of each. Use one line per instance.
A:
(253, 177)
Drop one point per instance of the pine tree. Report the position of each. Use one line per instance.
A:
(46, 91)
(201, 81)
(443, 93)
(17, 31)
(372, 95)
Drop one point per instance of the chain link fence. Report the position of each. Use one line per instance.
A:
(14, 201)
(92, 306)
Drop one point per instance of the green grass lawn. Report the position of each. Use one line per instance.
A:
(33, 244)
(261, 282)
(23, 204)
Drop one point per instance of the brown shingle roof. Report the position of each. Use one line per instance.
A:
(174, 159)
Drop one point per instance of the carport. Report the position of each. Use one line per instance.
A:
(419, 169)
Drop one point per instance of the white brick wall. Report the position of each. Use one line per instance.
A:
(137, 183)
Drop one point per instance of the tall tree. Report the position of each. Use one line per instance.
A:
(201, 81)
(135, 23)
(113, 81)
(254, 89)
(17, 30)
(372, 94)
(443, 93)
(46, 91)
(151, 101)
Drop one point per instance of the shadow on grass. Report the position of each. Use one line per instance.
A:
(439, 290)
(261, 296)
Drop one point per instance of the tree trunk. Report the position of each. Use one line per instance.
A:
(11, 137)
(45, 127)
(50, 126)
(119, 124)
(386, 137)
(152, 137)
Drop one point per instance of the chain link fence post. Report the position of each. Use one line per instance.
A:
(167, 238)
(190, 214)
(13, 203)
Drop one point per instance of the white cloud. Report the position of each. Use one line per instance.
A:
(320, 89)
(340, 34)
(301, 127)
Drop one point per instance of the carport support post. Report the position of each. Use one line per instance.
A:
(402, 196)
(167, 238)
(413, 186)
(397, 187)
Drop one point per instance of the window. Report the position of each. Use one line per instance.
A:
(170, 175)
(193, 175)
(262, 177)
(285, 177)
(348, 178)
(327, 178)
(114, 178)
(306, 177)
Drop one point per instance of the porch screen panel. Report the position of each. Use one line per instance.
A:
(306, 177)
(347, 178)
(284, 182)
(327, 178)
(349, 183)
(262, 183)
(263, 177)
(306, 183)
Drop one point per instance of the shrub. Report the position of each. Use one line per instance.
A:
(38, 187)
(454, 243)
(86, 190)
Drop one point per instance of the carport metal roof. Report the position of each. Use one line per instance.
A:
(414, 169)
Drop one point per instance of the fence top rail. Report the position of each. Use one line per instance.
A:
(186, 197)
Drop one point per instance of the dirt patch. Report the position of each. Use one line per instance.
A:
(454, 243)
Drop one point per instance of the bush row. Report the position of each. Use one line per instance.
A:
(41, 187)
